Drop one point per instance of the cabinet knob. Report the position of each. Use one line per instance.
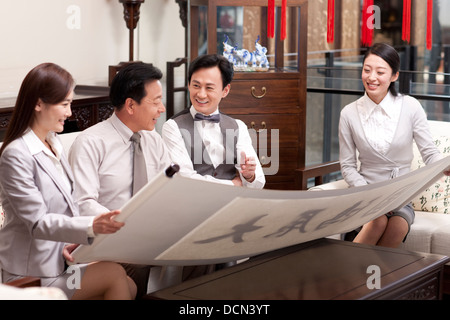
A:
(263, 160)
(264, 91)
(263, 125)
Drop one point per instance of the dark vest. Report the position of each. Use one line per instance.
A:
(196, 148)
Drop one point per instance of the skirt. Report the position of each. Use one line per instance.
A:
(68, 281)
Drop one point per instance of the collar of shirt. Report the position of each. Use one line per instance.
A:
(124, 132)
(211, 135)
(387, 105)
(194, 112)
(35, 145)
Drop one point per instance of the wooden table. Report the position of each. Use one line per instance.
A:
(323, 269)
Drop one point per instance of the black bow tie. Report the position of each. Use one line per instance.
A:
(212, 118)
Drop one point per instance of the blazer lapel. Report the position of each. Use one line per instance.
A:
(50, 169)
(68, 170)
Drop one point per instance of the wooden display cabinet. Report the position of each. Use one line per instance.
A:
(272, 103)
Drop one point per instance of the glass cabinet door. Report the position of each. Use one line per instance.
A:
(215, 22)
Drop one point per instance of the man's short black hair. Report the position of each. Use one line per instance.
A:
(130, 82)
(210, 61)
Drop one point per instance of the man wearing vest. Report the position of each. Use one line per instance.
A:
(206, 143)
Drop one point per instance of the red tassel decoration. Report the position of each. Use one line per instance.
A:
(406, 23)
(429, 24)
(271, 19)
(363, 24)
(330, 21)
(366, 31)
(283, 20)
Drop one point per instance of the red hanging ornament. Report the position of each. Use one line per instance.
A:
(366, 30)
(330, 21)
(406, 22)
(429, 24)
(283, 20)
(271, 19)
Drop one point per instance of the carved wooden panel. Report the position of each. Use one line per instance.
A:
(89, 106)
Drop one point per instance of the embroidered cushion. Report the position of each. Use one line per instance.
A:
(2, 216)
(437, 197)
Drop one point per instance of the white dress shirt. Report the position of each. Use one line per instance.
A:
(212, 138)
(379, 121)
(102, 162)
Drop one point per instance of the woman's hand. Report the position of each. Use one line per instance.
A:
(68, 249)
(105, 223)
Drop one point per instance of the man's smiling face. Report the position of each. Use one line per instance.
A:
(206, 90)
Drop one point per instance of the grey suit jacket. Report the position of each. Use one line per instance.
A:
(40, 213)
(376, 167)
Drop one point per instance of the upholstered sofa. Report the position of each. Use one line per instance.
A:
(430, 231)
(9, 292)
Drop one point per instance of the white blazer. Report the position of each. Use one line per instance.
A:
(41, 215)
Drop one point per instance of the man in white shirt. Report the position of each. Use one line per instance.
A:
(206, 144)
(102, 155)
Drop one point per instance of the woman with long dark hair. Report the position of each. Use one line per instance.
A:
(43, 225)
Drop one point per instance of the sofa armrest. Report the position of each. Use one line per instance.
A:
(338, 184)
(315, 171)
(25, 282)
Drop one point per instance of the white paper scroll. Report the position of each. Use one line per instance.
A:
(181, 221)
